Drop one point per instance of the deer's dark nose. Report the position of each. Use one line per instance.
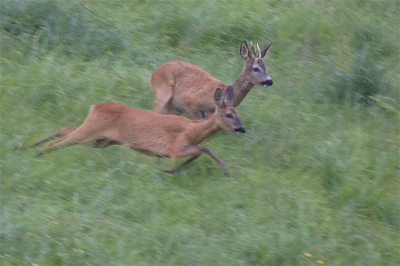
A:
(267, 83)
(240, 130)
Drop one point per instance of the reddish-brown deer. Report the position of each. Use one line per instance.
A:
(181, 87)
(150, 133)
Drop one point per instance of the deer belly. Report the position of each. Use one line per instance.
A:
(150, 153)
(151, 148)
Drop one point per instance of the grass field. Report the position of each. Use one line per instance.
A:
(315, 179)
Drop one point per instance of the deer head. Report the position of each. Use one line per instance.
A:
(227, 117)
(255, 70)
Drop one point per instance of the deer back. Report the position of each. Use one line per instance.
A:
(138, 129)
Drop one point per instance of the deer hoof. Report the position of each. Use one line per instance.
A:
(171, 171)
(17, 147)
(225, 169)
(39, 153)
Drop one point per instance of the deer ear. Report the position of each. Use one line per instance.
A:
(244, 51)
(264, 52)
(219, 99)
(229, 94)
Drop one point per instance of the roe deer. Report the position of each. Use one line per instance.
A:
(150, 133)
(181, 87)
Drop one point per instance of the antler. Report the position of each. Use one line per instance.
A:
(259, 51)
(256, 54)
(254, 48)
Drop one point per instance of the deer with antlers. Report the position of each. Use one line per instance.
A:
(150, 133)
(181, 87)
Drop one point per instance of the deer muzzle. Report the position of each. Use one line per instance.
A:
(267, 83)
(240, 130)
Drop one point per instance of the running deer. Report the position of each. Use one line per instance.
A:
(181, 87)
(150, 133)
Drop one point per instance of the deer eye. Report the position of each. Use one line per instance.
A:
(228, 115)
(256, 69)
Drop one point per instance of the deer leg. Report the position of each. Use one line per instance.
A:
(195, 152)
(61, 133)
(212, 155)
(176, 169)
(162, 103)
(104, 143)
(198, 114)
(78, 136)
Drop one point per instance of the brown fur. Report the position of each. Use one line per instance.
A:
(148, 132)
(181, 87)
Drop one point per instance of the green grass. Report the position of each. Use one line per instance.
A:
(316, 172)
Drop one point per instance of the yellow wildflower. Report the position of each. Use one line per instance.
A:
(320, 262)
(308, 255)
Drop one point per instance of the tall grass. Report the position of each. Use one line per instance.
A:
(317, 172)
(47, 26)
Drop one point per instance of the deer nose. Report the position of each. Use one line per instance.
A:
(240, 130)
(267, 83)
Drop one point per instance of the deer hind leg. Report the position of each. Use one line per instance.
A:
(61, 133)
(104, 143)
(78, 136)
(162, 103)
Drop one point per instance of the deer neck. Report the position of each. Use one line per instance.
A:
(240, 88)
(202, 129)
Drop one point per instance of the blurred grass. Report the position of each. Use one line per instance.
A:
(317, 171)
(49, 26)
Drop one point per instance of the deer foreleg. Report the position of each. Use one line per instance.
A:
(176, 169)
(212, 155)
(195, 152)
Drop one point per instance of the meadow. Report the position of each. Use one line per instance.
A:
(314, 181)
